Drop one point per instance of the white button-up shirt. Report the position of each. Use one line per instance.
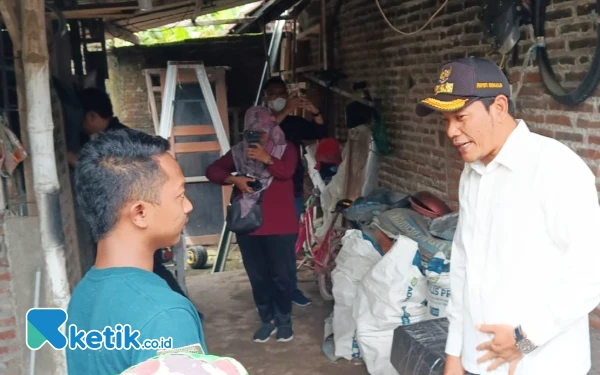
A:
(526, 252)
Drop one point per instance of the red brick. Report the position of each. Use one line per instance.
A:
(589, 153)
(573, 137)
(8, 335)
(5, 276)
(531, 118)
(11, 348)
(8, 322)
(583, 107)
(531, 103)
(544, 132)
(533, 91)
(529, 77)
(591, 124)
(594, 139)
(561, 120)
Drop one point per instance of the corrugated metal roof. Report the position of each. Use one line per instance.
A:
(125, 14)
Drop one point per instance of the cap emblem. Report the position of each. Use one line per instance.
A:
(445, 74)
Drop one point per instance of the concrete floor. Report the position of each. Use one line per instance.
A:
(231, 320)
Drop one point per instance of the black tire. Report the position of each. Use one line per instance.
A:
(197, 256)
(589, 83)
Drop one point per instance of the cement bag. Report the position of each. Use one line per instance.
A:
(438, 286)
(392, 293)
(444, 227)
(356, 257)
(416, 227)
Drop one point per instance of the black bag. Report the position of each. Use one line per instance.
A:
(247, 224)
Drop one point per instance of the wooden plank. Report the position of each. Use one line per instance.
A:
(197, 147)
(159, 11)
(152, 101)
(176, 15)
(10, 11)
(90, 13)
(194, 180)
(221, 99)
(183, 130)
(311, 31)
(121, 33)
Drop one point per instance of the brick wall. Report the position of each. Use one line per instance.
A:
(423, 157)
(9, 347)
(127, 85)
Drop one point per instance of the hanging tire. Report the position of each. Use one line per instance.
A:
(197, 256)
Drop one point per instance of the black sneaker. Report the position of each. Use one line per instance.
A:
(300, 299)
(265, 332)
(285, 334)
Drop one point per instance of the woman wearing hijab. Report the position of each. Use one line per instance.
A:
(268, 252)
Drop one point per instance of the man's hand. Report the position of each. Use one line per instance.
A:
(241, 182)
(453, 366)
(291, 105)
(502, 348)
(307, 104)
(257, 152)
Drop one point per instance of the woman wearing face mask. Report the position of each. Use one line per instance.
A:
(268, 252)
(296, 129)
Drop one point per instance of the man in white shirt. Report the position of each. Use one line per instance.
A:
(524, 267)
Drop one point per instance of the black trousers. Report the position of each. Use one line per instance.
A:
(269, 265)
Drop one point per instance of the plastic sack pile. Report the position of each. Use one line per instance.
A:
(374, 295)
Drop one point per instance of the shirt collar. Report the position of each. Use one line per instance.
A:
(511, 154)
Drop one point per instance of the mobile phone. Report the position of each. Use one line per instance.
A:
(252, 137)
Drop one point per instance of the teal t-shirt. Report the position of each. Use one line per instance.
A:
(113, 297)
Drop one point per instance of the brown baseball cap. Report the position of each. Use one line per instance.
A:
(463, 81)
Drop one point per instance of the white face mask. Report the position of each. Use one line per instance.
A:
(278, 104)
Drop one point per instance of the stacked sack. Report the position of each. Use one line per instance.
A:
(355, 259)
(392, 293)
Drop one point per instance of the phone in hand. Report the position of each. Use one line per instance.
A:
(252, 137)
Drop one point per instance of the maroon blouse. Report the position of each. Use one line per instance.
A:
(278, 209)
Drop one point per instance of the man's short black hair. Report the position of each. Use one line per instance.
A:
(487, 102)
(93, 99)
(275, 81)
(117, 167)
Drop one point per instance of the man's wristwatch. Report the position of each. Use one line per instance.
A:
(524, 345)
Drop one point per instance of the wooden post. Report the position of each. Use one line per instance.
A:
(11, 14)
(41, 131)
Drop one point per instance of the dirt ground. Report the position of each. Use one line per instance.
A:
(231, 320)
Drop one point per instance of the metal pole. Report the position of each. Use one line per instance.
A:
(36, 303)
(223, 250)
(324, 33)
(271, 56)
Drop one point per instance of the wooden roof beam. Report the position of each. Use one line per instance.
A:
(121, 33)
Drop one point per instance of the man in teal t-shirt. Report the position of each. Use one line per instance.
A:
(132, 193)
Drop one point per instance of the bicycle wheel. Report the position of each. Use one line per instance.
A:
(324, 273)
(325, 285)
